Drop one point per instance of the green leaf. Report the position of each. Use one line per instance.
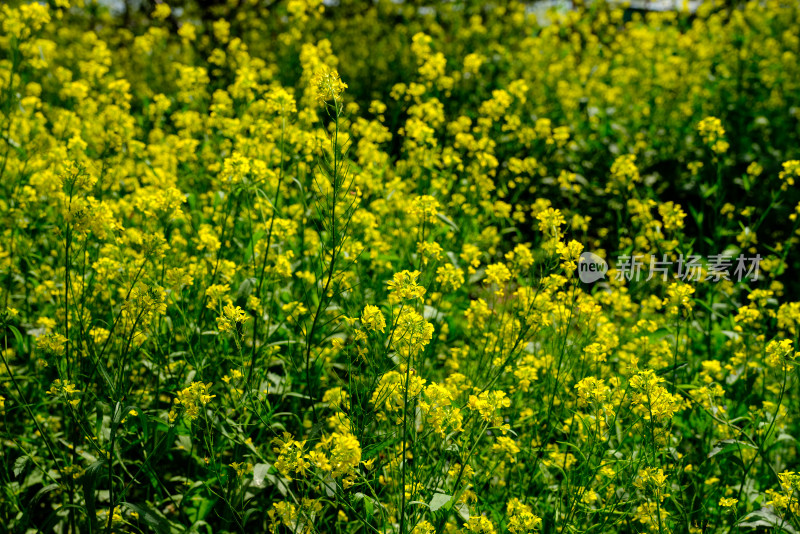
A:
(447, 220)
(372, 452)
(150, 518)
(463, 511)
(17, 336)
(93, 472)
(671, 368)
(767, 519)
(41, 493)
(696, 215)
(438, 500)
(195, 528)
(184, 442)
(101, 367)
(19, 465)
(205, 508)
(728, 445)
(260, 472)
(368, 507)
(330, 486)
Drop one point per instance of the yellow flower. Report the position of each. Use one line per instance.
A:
(54, 344)
(345, 453)
(570, 254)
(193, 398)
(790, 173)
(488, 404)
(524, 522)
(241, 468)
(403, 286)
(550, 221)
(293, 311)
(497, 274)
(624, 174)
(480, 524)
(658, 404)
(679, 296)
(449, 277)
(291, 458)
(425, 208)
(424, 527)
(231, 316)
(338, 398)
(65, 390)
(329, 87)
(161, 11)
(412, 333)
(713, 134)
(590, 389)
(472, 255)
(373, 319)
(755, 169)
(780, 353)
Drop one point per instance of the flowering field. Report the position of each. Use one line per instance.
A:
(399, 268)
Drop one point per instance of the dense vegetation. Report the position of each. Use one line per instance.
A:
(272, 266)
